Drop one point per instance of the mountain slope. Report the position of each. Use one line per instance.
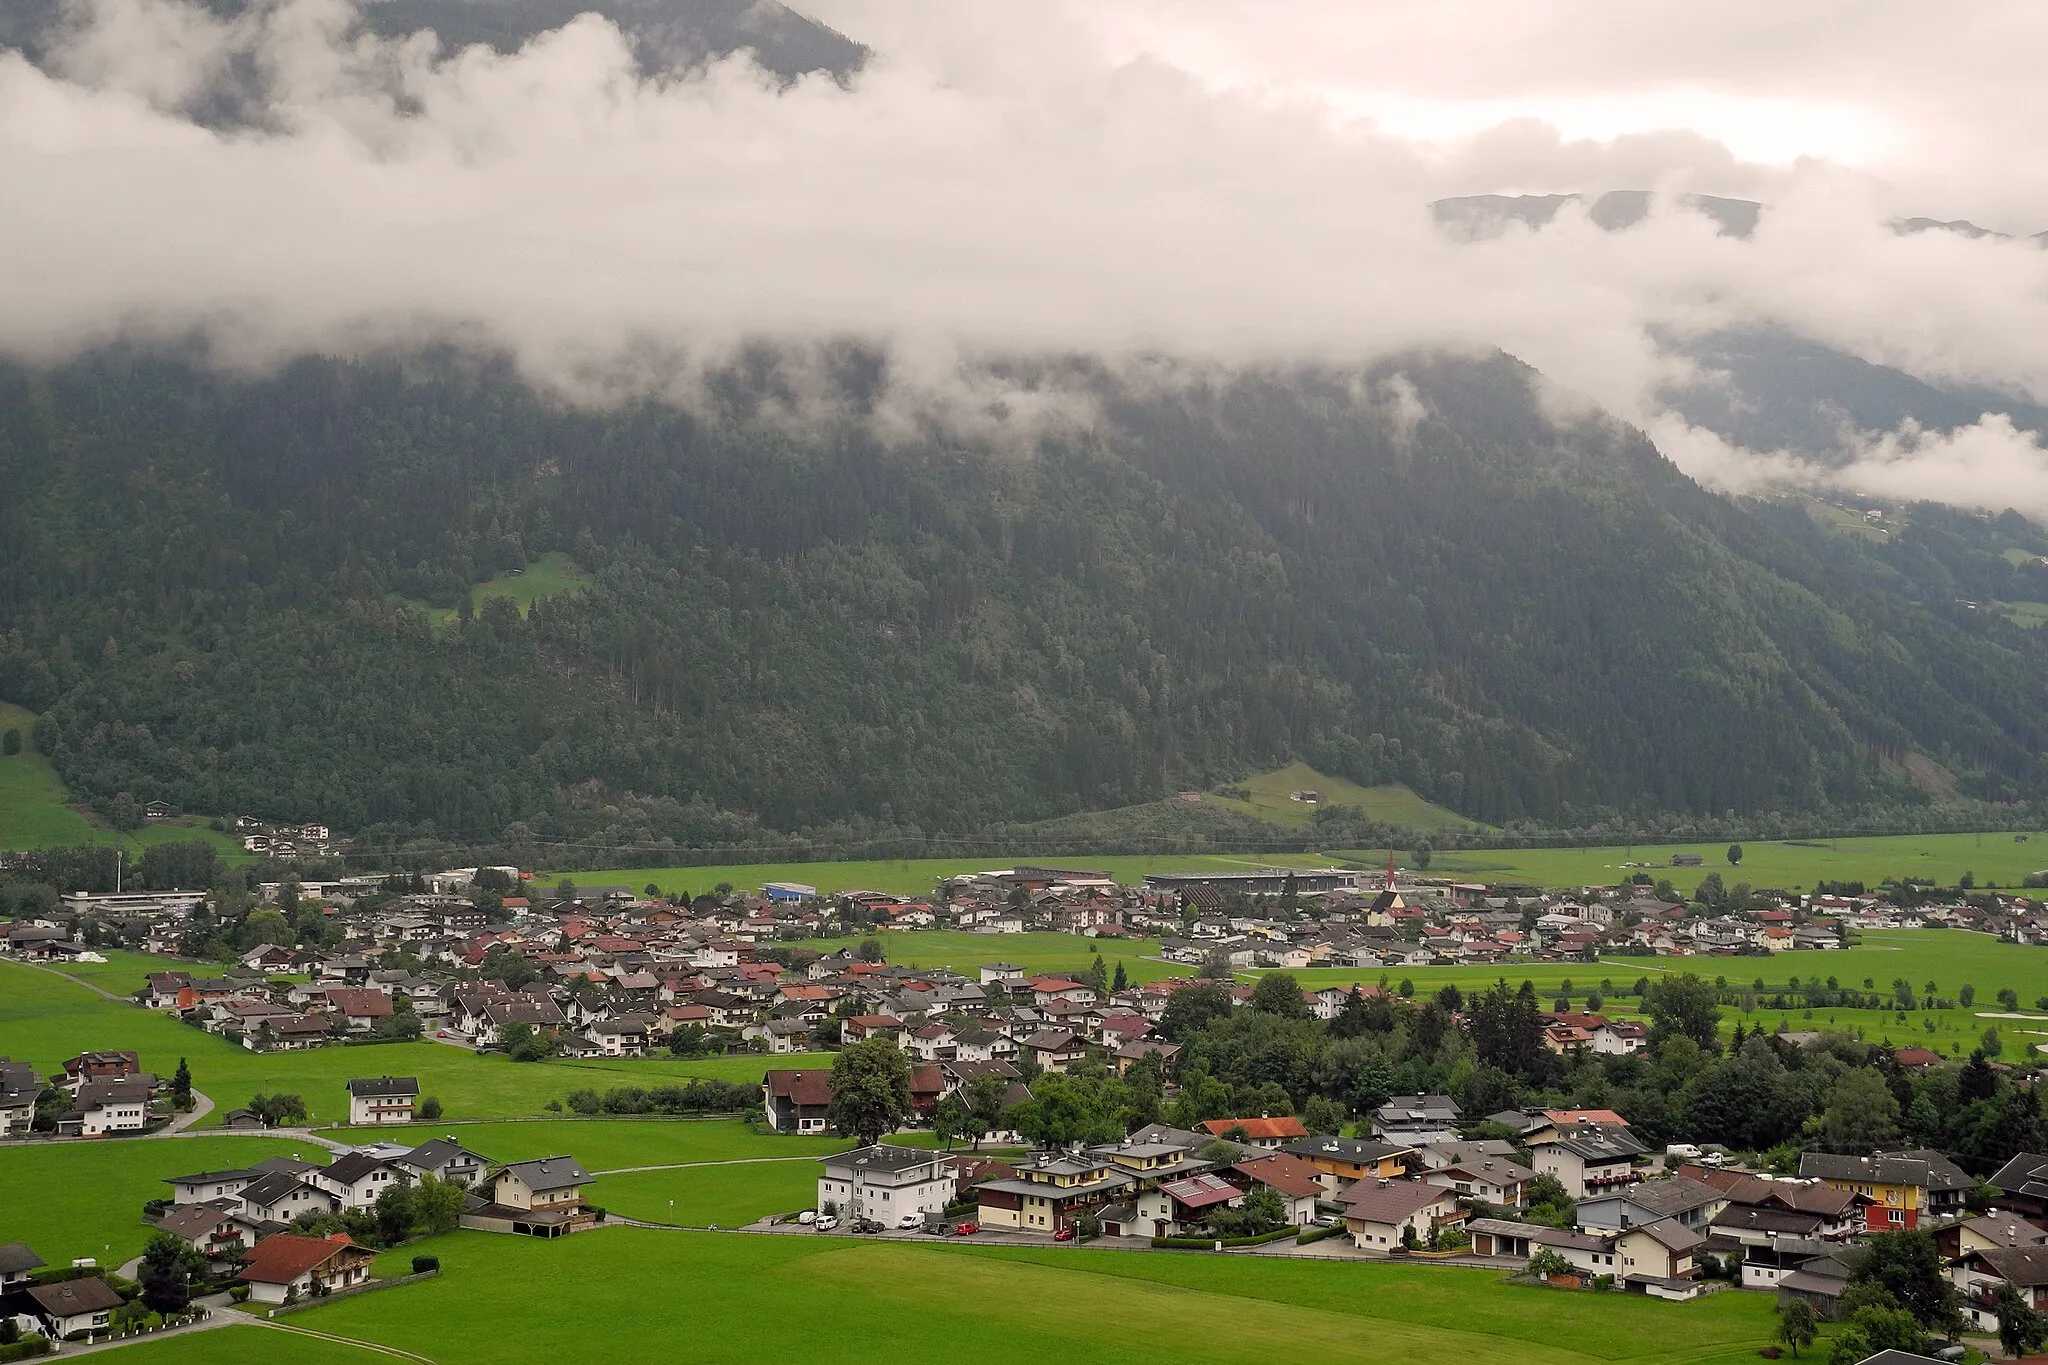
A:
(201, 579)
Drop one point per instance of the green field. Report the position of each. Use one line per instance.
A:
(552, 573)
(608, 1144)
(1786, 866)
(35, 810)
(69, 1199)
(631, 1295)
(712, 1196)
(1390, 802)
(45, 1018)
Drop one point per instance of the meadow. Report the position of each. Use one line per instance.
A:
(45, 1018)
(634, 1294)
(552, 573)
(1268, 797)
(608, 1144)
(74, 1199)
(35, 809)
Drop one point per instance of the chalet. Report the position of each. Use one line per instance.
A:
(17, 1263)
(1979, 1273)
(443, 1158)
(1494, 1179)
(2022, 1184)
(1384, 1214)
(111, 1106)
(541, 1198)
(382, 1099)
(1269, 1133)
(285, 1267)
(797, 1101)
(356, 1179)
(1055, 1049)
(1689, 1203)
(68, 1306)
(1298, 1184)
(1050, 1191)
(1412, 1119)
(1341, 1160)
(1905, 1187)
(1587, 1159)
(1653, 1254)
(217, 1230)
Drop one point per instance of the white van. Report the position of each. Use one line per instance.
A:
(1684, 1149)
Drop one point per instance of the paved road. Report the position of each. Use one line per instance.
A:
(202, 1105)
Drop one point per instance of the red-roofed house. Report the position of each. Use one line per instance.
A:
(286, 1266)
(1260, 1132)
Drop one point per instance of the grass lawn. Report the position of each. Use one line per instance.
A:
(45, 1019)
(631, 1294)
(1036, 953)
(35, 810)
(608, 1144)
(711, 1196)
(246, 1346)
(70, 1199)
(1391, 802)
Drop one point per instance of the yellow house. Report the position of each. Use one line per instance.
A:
(1903, 1187)
(1050, 1192)
(1341, 1160)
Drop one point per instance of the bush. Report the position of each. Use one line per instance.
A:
(422, 1264)
(240, 1293)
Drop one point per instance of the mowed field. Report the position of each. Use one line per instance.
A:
(70, 1199)
(45, 1018)
(634, 1295)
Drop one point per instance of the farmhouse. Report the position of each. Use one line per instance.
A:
(1903, 1187)
(797, 1101)
(382, 1099)
(541, 1198)
(84, 1305)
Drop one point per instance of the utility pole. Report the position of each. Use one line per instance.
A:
(117, 869)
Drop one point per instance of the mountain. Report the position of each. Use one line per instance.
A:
(668, 34)
(254, 594)
(1766, 388)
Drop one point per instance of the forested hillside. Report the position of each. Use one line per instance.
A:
(216, 591)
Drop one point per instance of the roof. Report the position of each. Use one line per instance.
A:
(1596, 1144)
(548, 1173)
(2024, 1266)
(68, 1298)
(192, 1220)
(800, 1087)
(1200, 1191)
(1666, 1197)
(1290, 1175)
(1754, 1218)
(1356, 1150)
(1389, 1201)
(435, 1153)
(1670, 1233)
(1919, 1166)
(364, 1003)
(882, 1156)
(2007, 1230)
(1286, 1126)
(16, 1257)
(1605, 1117)
(2025, 1174)
(352, 1167)
(365, 1088)
(267, 1189)
(282, 1257)
(1540, 1233)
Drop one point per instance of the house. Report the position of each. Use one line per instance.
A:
(1494, 1179)
(1662, 1250)
(1985, 1233)
(443, 1158)
(218, 1230)
(884, 1182)
(287, 1268)
(1384, 1214)
(16, 1261)
(1179, 1207)
(862, 1027)
(1050, 1191)
(1413, 1119)
(1820, 1281)
(19, 1088)
(1689, 1203)
(797, 1101)
(1904, 1187)
(357, 1179)
(280, 1196)
(98, 1066)
(1055, 1049)
(1298, 1184)
(1501, 1237)
(382, 1099)
(2022, 1181)
(541, 1198)
(1268, 1133)
(1341, 1160)
(68, 1306)
(115, 1106)
(1979, 1273)
(1587, 1159)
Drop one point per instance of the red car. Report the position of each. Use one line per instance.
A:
(1064, 1235)
(968, 1229)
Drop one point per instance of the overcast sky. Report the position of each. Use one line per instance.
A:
(1226, 180)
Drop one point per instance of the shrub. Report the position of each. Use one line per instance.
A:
(240, 1293)
(422, 1264)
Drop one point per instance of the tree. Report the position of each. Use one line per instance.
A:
(2021, 1330)
(1684, 1006)
(2009, 998)
(396, 1210)
(1798, 1325)
(1862, 1115)
(951, 1119)
(10, 742)
(1992, 1044)
(1280, 993)
(1966, 996)
(985, 1096)
(1422, 855)
(1848, 1346)
(279, 1111)
(1098, 977)
(870, 1090)
(437, 1205)
(1121, 979)
(1908, 1267)
(1192, 1008)
(1323, 1115)
(430, 1109)
(181, 1085)
(870, 950)
(169, 1266)
(1734, 855)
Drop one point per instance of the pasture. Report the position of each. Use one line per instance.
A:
(69, 1199)
(35, 809)
(45, 1018)
(1392, 802)
(608, 1144)
(632, 1295)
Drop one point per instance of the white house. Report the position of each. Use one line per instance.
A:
(382, 1099)
(115, 1106)
(356, 1180)
(885, 1182)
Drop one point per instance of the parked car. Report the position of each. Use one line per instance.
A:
(867, 1225)
(910, 1220)
(939, 1229)
(1714, 1159)
(826, 1224)
(807, 1217)
(1064, 1235)
(967, 1229)
(1684, 1149)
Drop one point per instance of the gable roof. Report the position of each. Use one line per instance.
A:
(1669, 1233)
(2024, 1266)
(1286, 1127)
(1389, 1201)
(1671, 1196)
(69, 1298)
(807, 1088)
(284, 1256)
(547, 1173)
(367, 1087)
(16, 1257)
(1290, 1175)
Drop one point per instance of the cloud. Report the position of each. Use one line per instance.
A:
(1003, 179)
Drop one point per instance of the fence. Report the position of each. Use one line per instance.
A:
(314, 1301)
(106, 1338)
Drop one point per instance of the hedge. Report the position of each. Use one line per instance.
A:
(1204, 1243)
(1318, 1234)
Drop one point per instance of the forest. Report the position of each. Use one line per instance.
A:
(218, 591)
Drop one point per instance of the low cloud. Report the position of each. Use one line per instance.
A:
(1001, 180)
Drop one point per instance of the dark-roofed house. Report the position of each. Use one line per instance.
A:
(2024, 1183)
(83, 1305)
(1384, 1214)
(120, 1105)
(16, 1261)
(1688, 1202)
(445, 1159)
(541, 1198)
(218, 1230)
(356, 1179)
(19, 1087)
(1820, 1281)
(1051, 1190)
(1996, 1229)
(1662, 1250)
(382, 1099)
(1341, 1160)
(1979, 1273)
(1416, 1119)
(1904, 1187)
(280, 1196)
(1587, 1159)
(285, 1265)
(797, 1101)
(885, 1182)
